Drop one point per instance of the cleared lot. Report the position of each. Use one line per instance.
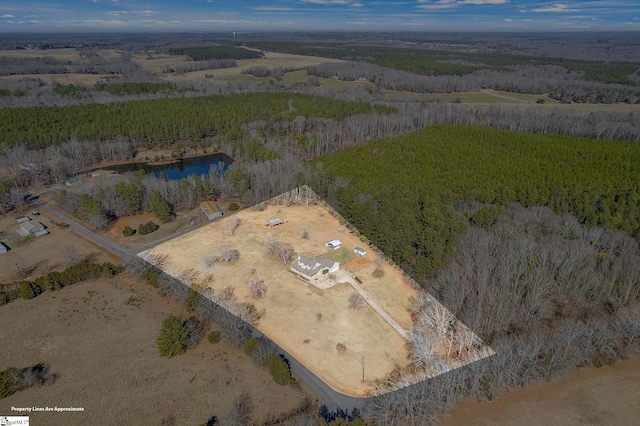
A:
(306, 321)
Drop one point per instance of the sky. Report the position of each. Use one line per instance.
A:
(317, 15)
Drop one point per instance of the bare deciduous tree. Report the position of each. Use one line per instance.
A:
(355, 301)
(228, 254)
(257, 288)
(233, 222)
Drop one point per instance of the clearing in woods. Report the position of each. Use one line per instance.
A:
(305, 320)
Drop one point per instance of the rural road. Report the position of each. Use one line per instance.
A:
(330, 397)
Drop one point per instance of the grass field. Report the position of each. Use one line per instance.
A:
(596, 396)
(99, 337)
(304, 320)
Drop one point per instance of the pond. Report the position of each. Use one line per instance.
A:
(184, 168)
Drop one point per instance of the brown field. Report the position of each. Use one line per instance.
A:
(65, 79)
(99, 337)
(271, 60)
(59, 249)
(589, 396)
(292, 305)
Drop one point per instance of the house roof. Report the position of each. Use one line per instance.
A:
(310, 266)
(32, 226)
(334, 243)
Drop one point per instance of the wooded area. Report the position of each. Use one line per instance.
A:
(400, 192)
(161, 121)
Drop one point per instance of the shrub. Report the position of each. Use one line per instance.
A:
(341, 348)
(151, 277)
(127, 231)
(214, 336)
(147, 228)
(29, 289)
(279, 370)
(173, 337)
(233, 207)
(250, 345)
(193, 297)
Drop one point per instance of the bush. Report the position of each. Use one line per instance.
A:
(214, 336)
(279, 370)
(233, 207)
(29, 289)
(151, 277)
(173, 337)
(147, 228)
(250, 345)
(127, 231)
(193, 297)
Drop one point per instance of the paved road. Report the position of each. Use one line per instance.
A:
(330, 397)
(85, 231)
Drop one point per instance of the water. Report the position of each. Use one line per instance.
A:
(185, 168)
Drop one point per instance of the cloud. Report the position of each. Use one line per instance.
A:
(558, 7)
(272, 8)
(326, 2)
(134, 12)
(7, 16)
(508, 20)
(484, 1)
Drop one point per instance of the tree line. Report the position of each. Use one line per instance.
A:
(54, 280)
(163, 120)
(204, 53)
(400, 192)
(544, 292)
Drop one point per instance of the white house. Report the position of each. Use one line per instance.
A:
(334, 244)
(312, 267)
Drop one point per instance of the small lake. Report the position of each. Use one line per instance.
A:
(181, 169)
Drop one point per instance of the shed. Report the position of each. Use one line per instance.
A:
(334, 244)
(3, 248)
(22, 218)
(31, 226)
(211, 210)
(360, 251)
(276, 221)
(41, 233)
(71, 181)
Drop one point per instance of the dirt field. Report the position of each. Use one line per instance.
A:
(100, 338)
(589, 396)
(304, 320)
(59, 249)
(271, 60)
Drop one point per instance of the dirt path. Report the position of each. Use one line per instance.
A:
(346, 277)
(589, 396)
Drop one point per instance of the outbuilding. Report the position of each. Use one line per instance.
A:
(211, 210)
(3, 248)
(360, 251)
(334, 244)
(276, 221)
(30, 227)
(22, 218)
